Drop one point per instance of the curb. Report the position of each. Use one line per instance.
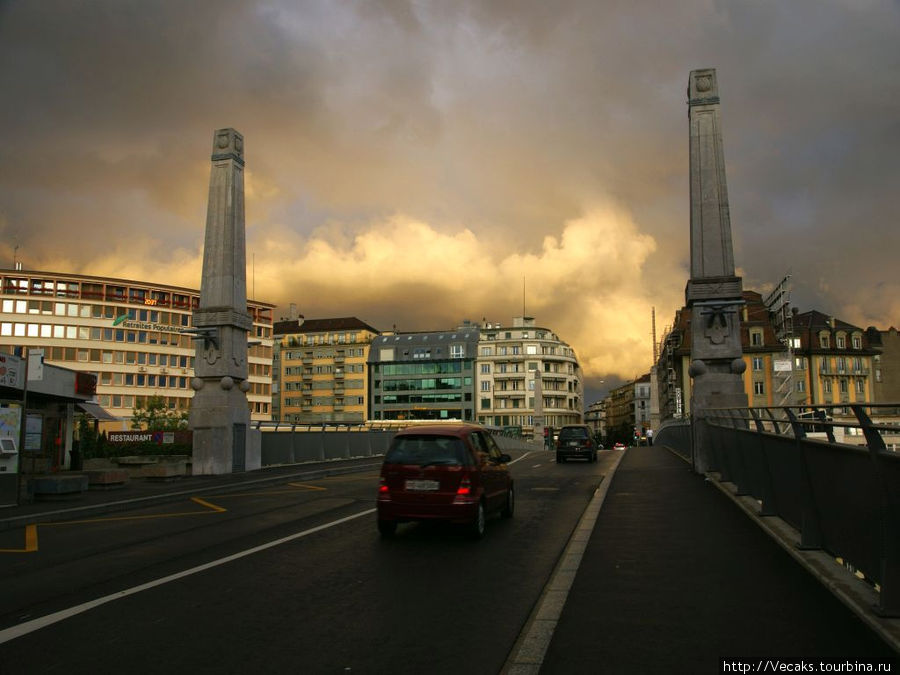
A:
(527, 654)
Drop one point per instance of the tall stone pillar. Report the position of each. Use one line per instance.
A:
(713, 292)
(220, 416)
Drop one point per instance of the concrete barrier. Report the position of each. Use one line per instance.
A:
(58, 486)
(106, 479)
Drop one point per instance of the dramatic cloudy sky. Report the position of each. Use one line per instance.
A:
(411, 162)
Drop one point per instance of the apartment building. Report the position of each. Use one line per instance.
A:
(321, 370)
(834, 359)
(816, 359)
(508, 359)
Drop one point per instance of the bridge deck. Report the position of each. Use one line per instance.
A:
(676, 579)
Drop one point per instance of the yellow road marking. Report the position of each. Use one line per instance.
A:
(31, 538)
(307, 487)
(30, 542)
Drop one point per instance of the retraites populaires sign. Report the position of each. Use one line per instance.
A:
(124, 322)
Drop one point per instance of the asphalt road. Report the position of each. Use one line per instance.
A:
(292, 578)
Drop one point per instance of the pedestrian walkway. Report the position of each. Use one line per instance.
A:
(676, 578)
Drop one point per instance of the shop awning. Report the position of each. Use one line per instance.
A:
(95, 411)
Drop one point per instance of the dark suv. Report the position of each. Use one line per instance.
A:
(451, 472)
(575, 440)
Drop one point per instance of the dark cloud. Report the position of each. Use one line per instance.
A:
(510, 120)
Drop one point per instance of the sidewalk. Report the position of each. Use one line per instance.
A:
(140, 492)
(676, 578)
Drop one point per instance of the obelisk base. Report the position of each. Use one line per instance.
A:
(718, 386)
(222, 439)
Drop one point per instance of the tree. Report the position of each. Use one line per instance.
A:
(157, 417)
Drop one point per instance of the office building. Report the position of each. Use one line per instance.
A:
(130, 334)
(424, 376)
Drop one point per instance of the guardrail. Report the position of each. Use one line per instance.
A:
(283, 443)
(831, 472)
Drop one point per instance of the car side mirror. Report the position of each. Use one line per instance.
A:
(505, 459)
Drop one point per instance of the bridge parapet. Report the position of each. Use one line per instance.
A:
(833, 476)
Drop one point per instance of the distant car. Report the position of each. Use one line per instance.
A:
(575, 440)
(447, 472)
(619, 446)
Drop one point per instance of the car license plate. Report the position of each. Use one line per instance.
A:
(422, 485)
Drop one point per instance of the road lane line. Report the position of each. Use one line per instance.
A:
(21, 629)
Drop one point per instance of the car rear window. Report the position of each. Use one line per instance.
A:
(573, 432)
(427, 450)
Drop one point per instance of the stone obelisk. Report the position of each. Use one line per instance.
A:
(713, 292)
(220, 416)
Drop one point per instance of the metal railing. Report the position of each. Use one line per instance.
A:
(833, 476)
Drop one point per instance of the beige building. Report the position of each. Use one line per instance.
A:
(508, 358)
(130, 334)
(321, 372)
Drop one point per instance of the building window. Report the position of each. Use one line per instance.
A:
(485, 385)
(860, 385)
(844, 385)
(841, 342)
(757, 363)
(824, 341)
(457, 351)
(756, 338)
(826, 386)
(759, 388)
(857, 342)
(801, 386)
(486, 368)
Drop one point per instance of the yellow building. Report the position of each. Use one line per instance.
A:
(130, 334)
(321, 374)
(835, 360)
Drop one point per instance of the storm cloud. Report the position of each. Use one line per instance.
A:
(419, 163)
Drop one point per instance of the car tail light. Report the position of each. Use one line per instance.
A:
(465, 487)
(382, 486)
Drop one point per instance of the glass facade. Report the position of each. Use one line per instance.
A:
(424, 376)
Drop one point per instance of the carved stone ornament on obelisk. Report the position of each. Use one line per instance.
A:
(713, 292)
(220, 416)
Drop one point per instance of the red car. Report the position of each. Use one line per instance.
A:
(450, 472)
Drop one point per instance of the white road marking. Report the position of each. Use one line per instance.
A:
(36, 624)
(529, 650)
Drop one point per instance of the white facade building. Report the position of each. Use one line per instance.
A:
(508, 358)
